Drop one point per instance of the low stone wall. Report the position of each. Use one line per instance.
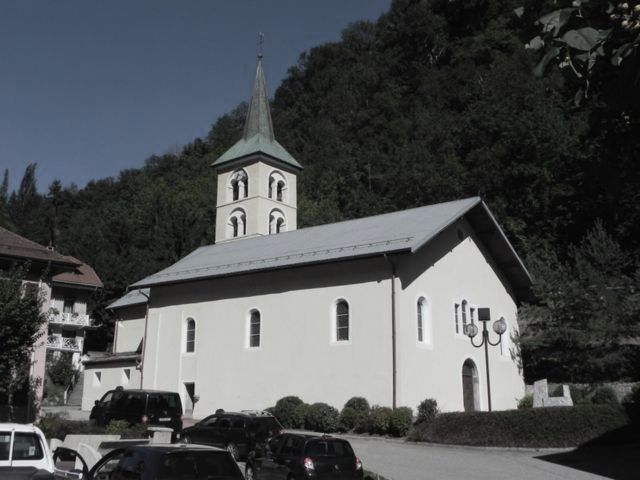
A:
(621, 389)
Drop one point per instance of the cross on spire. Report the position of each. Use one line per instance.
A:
(260, 42)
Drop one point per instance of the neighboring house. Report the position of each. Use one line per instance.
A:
(67, 286)
(374, 307)
(105, 371)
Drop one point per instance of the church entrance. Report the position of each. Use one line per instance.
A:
(470, 386)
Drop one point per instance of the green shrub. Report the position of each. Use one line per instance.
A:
(379, 420)
(300, 415)
(355, 415)
(400, 421)
(56, 425)
(126, 430)
(531, 427)
(604, 396)
(427, 411)
(359, 404)
(285, 411)
(526, 401)
(60, 368)
(322, 418)
(117, 427)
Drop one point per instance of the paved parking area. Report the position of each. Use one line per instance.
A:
(399, 460)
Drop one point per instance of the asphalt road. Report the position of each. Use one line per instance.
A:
(399, 460)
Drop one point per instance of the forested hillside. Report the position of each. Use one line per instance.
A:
(435, 101)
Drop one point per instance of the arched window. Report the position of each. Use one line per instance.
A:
(190, 337)
(277, 222)
(254, 329)
(277, 186)
(463, 308)
(237, 224)
(342, 321)
(423, 319)
(239, 184)
(456, 316)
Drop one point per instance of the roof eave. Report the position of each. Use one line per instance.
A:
(249, 156)
(142, 284)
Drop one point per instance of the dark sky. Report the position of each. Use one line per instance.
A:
(89, 87)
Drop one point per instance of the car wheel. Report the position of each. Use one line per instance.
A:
(232, 448)
(248, 474)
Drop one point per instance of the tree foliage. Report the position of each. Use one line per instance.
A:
(21, 319)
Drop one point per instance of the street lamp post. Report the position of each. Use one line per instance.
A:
(471, 330)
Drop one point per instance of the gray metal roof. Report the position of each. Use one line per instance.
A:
(404, 231)
(133, 297)
(258, 137)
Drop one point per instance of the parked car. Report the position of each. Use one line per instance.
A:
(151, 407)
(297, 456)
(238, 432)
(24, 453)
(160, 462)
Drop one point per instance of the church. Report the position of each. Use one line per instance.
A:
(377, 307)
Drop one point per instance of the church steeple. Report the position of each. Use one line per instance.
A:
(256, 176)
(258, 120)
(258, 136)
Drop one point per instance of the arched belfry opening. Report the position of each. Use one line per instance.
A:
(470, 386)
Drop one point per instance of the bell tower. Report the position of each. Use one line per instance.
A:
(256, 177)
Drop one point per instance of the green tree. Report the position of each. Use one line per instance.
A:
(21, 319)
(588, 314)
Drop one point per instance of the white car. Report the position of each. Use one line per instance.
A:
(24, 453)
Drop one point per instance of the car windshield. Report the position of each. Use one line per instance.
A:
(329, 448)
(198, 465)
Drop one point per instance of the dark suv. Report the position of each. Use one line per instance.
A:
(299, 455)
(151, 407)
(238, 432)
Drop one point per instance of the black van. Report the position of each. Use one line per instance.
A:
(151, 407)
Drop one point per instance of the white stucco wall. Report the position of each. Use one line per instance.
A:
(111, 376)
(129, 329)
(297, 355)
(459, 270)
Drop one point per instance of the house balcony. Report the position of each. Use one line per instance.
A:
(70, 319)
(65, 344)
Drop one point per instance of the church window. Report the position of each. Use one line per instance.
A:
(424, 321)
(463, 310)
(190, 344)
(277, 186)
(254, 329)
(239, 184)
(277, 222)
(342, 321)
(237, 225)
(456, 315)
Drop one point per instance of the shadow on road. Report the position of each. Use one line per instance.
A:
(615, 454)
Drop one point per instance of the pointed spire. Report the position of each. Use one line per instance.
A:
(259, 116)
(258, 137)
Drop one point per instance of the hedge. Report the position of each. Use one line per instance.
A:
(322, 418)
(286, 412)
(531, 427)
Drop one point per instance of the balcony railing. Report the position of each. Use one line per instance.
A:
(64, 343)
(78, 319)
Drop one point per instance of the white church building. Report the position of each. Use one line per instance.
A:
(374, 307)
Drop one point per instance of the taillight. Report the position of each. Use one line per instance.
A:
(308, 464)
(144, 419)
(358, 464)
